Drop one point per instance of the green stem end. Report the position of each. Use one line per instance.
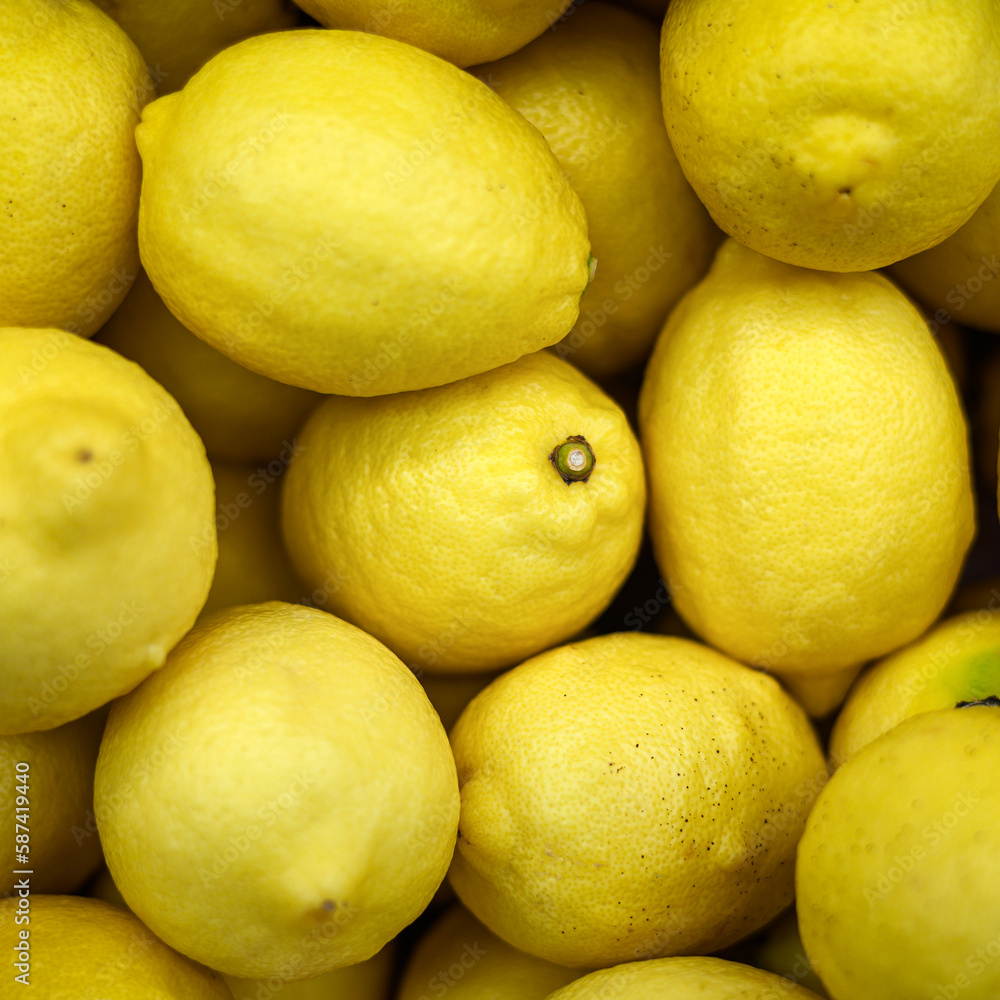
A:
(573, 459)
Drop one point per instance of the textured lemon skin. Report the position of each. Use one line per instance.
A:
(592, 88)
(63, 847)
(462, 31)
(810, 498)
(682, 979)
(107, 539)
(177, 37)
(897, 870)
(421, 236)
(491, 968)
(91, 950)
(961, 276)
(652, 807)
(73, 87)
(435, 520)
(253, 565)
(813, 133)
(240, 416)
(957, 660)
(369, 980)
(215, 782)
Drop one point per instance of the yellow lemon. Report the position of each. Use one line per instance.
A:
(958, 660)
(90, 950)
(592, 88)
(47, 793)
(810, 500)
(177, 37)
(682, 979)
(652, 806)
(462, 31)
(240, 416)
(461, 957)
(253, 565)
(959, 279)
(107, 545)
(471, 525)
(279, 800)
(73, 87)
(368, 980)
(351, 214)
(897, 870)
(814, 133)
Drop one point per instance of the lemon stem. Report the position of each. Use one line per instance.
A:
(573, 459)
(591, 271)
(992, 701)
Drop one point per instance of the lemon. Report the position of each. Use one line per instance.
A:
(368, 980)
(417, 236)
(897, 870)
(652, 806)
(279, 800)
(90, 950)
(239, 415)
(957, 660)
(253, 565)
(782, 953)
(50, 825)
(462, 31)
(178, 36)
(73, 87)
(814, 133)
(959, 279)
(592, 88)
(682, 979)
(810, 501)
(462, 958)
(471, 525)
(106, 538)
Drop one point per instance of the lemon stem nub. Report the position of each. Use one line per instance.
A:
(591, 271)
(573, 459)
(991, 702)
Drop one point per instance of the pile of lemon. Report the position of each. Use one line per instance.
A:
(412, 321)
